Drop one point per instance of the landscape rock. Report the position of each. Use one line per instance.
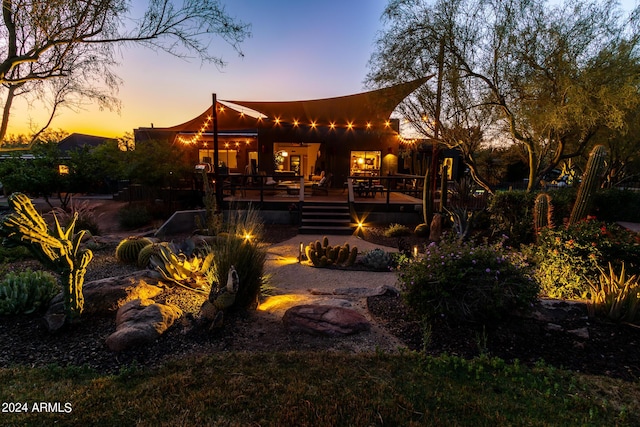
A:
(106, 295)
(324, 320)
(141, 322)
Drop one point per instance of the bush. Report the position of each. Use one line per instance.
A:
(613, 205)
(87, 219)
(133, 216)
(27, 291)
(512, 215)
(467, 282)
(240, 246)
(567, 258)
(397, 230)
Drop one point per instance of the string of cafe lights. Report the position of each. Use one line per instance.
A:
(198, 135)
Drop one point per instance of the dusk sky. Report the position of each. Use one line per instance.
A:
(299, 49)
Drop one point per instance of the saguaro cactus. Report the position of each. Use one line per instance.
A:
(61, 251)
(589, 185)
(542, 212)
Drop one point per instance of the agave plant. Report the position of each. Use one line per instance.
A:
(616, 296)
(178, 269)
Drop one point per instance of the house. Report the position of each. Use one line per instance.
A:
(345, 136)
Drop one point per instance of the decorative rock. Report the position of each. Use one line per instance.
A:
(106, 295)
(141, 322)
(324, 320)
(358, 292)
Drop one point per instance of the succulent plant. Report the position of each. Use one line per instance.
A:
(325, 255)
(178, 269)
(59, 249)
(377, 259)
(128, 249)
(25, 292)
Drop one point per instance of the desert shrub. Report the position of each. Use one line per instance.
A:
(511, 214)
(134, 216)
(397, 230)
(14, 253)
(567, 258)
(467, 282)
(88, 219)
(422, 230)
(26, 291)
(241, 247)
(613, 205)
(616, 297)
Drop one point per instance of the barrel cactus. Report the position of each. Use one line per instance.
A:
(129, 249)
(145, 253)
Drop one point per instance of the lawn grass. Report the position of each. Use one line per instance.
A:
(322, 389)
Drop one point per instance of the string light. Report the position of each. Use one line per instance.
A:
(198, 135)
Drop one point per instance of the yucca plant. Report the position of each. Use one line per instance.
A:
(616, 296)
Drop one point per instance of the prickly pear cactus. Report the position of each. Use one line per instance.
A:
(129, 249)
(589, 184)
(377, 259)
(58, 249)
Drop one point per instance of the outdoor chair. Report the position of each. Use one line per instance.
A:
(322, 187)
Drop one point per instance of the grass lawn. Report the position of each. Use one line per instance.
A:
(318, 389)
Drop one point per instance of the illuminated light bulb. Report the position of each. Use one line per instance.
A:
(332, 125)
(241, 113)
(368, 125)
(387, 123)
(349, 125)
(221, 109)
(313, 125)
(295, 122)
(237, 144)
(277, 120)
(226, 145)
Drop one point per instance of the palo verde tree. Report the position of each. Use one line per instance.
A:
(546, 77)
(59, 53)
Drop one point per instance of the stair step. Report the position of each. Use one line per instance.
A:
(305, 229)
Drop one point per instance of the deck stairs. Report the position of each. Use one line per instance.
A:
(325, 218)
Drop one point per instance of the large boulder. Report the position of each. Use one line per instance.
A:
(104, 296)
(140, 322)
(324, 320)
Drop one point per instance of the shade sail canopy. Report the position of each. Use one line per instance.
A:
(368, 108)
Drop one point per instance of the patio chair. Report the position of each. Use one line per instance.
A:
(322, 187)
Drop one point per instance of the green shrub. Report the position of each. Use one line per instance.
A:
(512, 215)
(134, 216)
(613, 205)
(567, 258)
(467, 282)
(397, 230)
(14, 253)
(27, 291)
(240, 246)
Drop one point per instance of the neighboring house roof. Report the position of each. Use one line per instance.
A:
(374, 107)
(79, 140)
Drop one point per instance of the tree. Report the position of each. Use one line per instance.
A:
(515, 71)
(61, 52)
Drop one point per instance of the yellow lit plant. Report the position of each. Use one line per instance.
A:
(616, 297)
(59, 250)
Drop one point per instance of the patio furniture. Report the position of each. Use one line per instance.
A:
(322, 187)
